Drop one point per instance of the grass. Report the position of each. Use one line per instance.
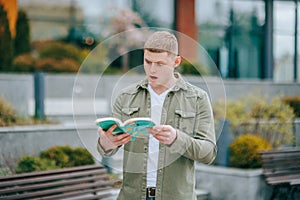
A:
(9, 116)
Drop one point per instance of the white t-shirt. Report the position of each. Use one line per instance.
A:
(157, 101)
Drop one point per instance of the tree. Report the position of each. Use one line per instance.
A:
(6, 45)
(127, 23)
(22, 39)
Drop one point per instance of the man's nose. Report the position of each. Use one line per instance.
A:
(152, 67)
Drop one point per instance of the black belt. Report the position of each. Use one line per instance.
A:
(150, 192)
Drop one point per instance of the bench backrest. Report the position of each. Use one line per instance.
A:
(57, 184)
(281, 166)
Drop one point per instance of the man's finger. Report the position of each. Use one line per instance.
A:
(121, 136)
(111, 129)
(157, 128)
(123, 140)
(166, 128)
(152, 131)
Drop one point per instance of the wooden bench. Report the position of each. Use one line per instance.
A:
(281, 169)
(84, 182)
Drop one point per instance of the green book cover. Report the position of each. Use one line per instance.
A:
(134, 126)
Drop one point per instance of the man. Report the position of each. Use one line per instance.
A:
(161, 166)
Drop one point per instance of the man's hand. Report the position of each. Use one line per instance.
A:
(166, 134)
(109, 141)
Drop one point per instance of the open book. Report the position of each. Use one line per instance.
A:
(134, 126)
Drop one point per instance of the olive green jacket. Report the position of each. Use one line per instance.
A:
(187, 109)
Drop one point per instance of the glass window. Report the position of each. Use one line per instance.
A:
(284, 22)
(231, 32)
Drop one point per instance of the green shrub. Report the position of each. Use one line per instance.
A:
(59, 57)
(294, 102)
(192, 68)
(267, 117)
(54, 158)
(54, 65)
(32, 163)
(56, 56)
(59, 154)
(80, 157)
(5, 171)
(8, 114)
(65, 156)
(95, 61)
(60, 50)
(68, 65)
(47, 64)
(24, 63)
(243, 152)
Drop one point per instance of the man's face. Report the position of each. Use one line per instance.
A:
(159, 68)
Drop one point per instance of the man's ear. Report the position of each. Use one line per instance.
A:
(177, 61)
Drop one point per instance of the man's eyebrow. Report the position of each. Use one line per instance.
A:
(161, 62)
(158, 62)
(147, 60)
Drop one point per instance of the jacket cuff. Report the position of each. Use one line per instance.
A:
(104, 153)
(179, 145)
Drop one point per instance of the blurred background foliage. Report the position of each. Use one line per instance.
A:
(195, 68)
(9, 116)
(257, 122)
(269, 118)
(50, 56)
(244, 150)
(294, 103)
(6, 47)
(67, 54)
(54, 158)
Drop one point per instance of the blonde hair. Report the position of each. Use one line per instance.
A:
(162, 41)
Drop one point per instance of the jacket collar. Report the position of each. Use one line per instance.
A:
(180, 83)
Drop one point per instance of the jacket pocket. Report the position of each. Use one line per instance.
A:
(185, 121)
(129, 112)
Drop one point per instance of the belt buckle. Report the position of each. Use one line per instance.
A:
(151, 192)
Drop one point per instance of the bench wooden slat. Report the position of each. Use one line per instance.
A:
(281, 168)
(295, 182)
(281, 151)
(281, 162)
(81, 187)
(282, 165)
(283, 179)
(94, 197)
(53, 184)
(283, 158)
(281, 171)
(50, 172)
(41, 179)
(89, 182)
(102, 194)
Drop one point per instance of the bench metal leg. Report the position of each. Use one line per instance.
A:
(274, 192)
(292, 192)
(281, 192)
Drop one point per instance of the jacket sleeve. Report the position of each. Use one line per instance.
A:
(116, 113)
(202, 146)
(105, 153)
